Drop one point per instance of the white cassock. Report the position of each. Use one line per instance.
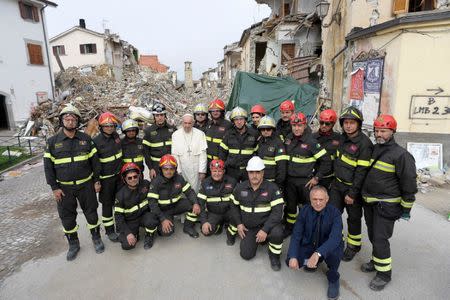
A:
(190, 151)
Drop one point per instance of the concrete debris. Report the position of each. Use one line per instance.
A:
(12, 153)
(426, 180)
(94, 89)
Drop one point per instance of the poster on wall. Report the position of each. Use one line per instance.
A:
(426, 155)
(369, 102)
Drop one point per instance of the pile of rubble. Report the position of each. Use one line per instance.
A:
(426, 179)
(94, 90)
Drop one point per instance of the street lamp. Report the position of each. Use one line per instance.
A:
(322, 9)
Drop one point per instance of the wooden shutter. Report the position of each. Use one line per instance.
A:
(35, 14)
(55, 50)
(35, 54)
(400, 6)
(63, 50)
(22, 10)
(94, 48)
(82, 49)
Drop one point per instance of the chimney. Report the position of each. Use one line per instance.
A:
(82, 23)
(188, 80)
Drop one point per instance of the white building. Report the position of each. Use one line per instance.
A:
(80, 46)
(25, 71)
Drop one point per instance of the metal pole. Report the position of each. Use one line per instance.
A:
(29, 145)
(9, 153)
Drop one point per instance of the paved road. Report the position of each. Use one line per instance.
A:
(181, 267)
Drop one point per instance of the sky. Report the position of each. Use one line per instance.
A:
(176, 31)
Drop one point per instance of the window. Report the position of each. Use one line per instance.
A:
(88, 48)
(28, 11)
(60, 50)
(287, 9)
(35, 56)
(405, 6)
(287, 52)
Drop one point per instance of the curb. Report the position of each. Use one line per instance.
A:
(22, 163)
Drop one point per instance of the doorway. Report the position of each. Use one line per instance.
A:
(3, 113)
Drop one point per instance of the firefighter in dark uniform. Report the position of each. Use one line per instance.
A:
(256, 113)
(216, 129)
(131, 209)
(351, 162)
(201, 117)
(166, 199)
(72, 170)
(328, 139)
(307, 163)
(271, 149)
(132, 147)
(287, 109)
(238, 145)
(214, 197)
(389, 193)
(258, 210)
(109, 152)
(157, 139)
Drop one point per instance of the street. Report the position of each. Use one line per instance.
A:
(182, 267)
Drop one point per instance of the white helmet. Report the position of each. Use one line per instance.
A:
(255, 164)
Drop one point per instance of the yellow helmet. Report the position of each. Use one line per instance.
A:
(130, 124)
(267, 122)
(200, 108)
(70, 109)
(238, 112)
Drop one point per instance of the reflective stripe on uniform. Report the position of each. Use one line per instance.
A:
(186, 187)
(202, 196)
(136, 159)
(75, 229)
(354, 239)
(107, 176)
(406, 204)
(149, 230)
(225, 147)
(158, 145)
(218, 199)
(269, 161)
(281, 157)
(303, 160)
(236, 202)
(111, 158)
(76, 182)
(363, 163)
(382, 264)
(344, 182)
(291, 218)
(385, 167)
(90, 226)
(213, 140)
(66, 160)
(131, 209)
(346, 159)
(275, 248)
(211, 157)
(242, 151)
(276, 202)
(157, 159)
(320, 154)
(191, 217)
(390, 200)
(255, 209)
(170, 201)
(108, 221)
(232, 229)
(153, 195)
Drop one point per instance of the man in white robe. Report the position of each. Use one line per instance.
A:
(189, 148)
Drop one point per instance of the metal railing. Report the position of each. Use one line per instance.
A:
(27, 145)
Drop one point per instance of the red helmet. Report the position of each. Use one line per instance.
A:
(258, 109)
(287, 106)
(128, 167)
(168, 161)
(216, 104)
(298, 118)
(108, 118)
(385, 121)
(328, 115)
(217, 164)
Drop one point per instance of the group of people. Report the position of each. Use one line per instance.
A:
(262, 182)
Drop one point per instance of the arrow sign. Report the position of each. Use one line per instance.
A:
(438, 90)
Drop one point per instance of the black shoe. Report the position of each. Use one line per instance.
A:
(349, 253)
(190, 230)
(231, 239)
(113, 237)
(148, 241)
(309, 270)
(368, 267)
(74, 248)
(275, 263)
(378, 283)
(333, 290)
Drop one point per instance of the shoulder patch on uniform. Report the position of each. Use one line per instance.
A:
(244, 193)
(304, 146)
(353, 148)
(277, 192)
(58, 145)
(317, 145)
(265, 194)
(83, 143)
(271, 149)
(287, 142)
(281, 150)
(140, 147)
(209, 187)
(335, 142)
(228, 186)
(221, 128)
(251, 138)
(117, 141)
(177, 185)
(153, 133)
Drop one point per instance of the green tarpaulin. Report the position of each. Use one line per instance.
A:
(250, 89)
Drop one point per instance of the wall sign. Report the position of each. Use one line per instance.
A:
(430, 107)
(426, 155)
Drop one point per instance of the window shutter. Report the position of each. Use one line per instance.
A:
(35, 54)
(94, 48)
(82, 50)
(55, 50)
(400, 6)
(22, 10)
(35, 14)
(63, 50)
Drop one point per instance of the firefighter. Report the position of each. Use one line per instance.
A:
(328, 139)
(201, 117)
(257, 211)
(166, 199)
(389, 193)
(72, 170)
(215, 200)
(271, 149)
(109, 152)
(157, 139)
(216, 129)
(238, 145)
(131, 208)
(307, 163)
(132, 147)
(257, 112)
(350, 165)
(287, 109)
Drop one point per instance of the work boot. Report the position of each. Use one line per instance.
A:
(74, 246)
(97, 240)
(231, 239)
(148, 241)
(333, 290)
(189, 229)
(378, 283)
(350, 252)
(112, 235)
(368, 267)
(309, 270)
(275, 263)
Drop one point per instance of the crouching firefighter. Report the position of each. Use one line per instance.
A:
(215, 200)
(258, 209)
(166, 199)
(72, 170)
(131, 209)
